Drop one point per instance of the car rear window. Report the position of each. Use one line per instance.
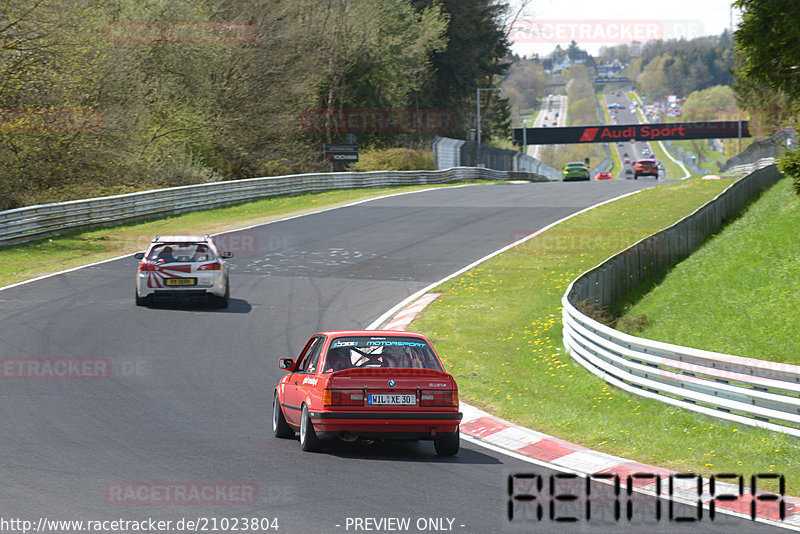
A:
(395, 352)
(181, 252)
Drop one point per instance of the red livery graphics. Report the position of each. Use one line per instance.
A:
(625, 132)
(367, 384)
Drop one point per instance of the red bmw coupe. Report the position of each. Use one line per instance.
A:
(367, 384)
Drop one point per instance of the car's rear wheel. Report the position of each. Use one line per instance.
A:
(222, 302)
(141, 301)
(280, 427)
(309, 441)
(448, 445)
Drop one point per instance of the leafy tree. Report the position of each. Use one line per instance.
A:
(379, 53)
(574, 52)
(524, 86)
(768, 79)
(710, 104)
(476, 55)
(499, 118)
(769, 42)
(176, 112)
(49, 64)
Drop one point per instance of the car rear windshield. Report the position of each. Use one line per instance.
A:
(395, 352)
(181, 252)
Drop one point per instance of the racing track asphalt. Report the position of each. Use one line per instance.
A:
(189, 396)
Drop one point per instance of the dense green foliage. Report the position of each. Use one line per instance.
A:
(713, 103)
(475, 55)
(676, 66)
(112, 96)
(395, 159)
(768, 80)
(524, 87)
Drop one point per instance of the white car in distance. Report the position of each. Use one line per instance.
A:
(183, 267)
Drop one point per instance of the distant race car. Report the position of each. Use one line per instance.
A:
(183, 266)
(645, 167)
(603, 176)
(575, 170)
(367, 384)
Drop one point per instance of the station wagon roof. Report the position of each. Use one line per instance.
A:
(180, 238)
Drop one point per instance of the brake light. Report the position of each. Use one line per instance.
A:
(342, 397)
(216, 266)
(144, 266)
(439, 397)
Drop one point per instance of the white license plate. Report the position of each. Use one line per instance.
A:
(391, 399)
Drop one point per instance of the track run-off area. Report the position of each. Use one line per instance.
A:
(170, 419)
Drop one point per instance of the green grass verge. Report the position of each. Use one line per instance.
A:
(674, 171)
(29, 260)
(708, 159)
(616, 163)
(498, 328)
(738, 293)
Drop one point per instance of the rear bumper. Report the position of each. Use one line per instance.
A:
(206, 286)
(388, 425)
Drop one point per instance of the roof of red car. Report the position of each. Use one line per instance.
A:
(381, 333)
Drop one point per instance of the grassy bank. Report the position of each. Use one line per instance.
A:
(738, 293)
(498, 327)
(29, 260)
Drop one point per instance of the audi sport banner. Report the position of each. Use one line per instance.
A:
(611, 133)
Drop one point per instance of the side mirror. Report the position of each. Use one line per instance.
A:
(286, 363)
(139, 255)
(226, 255)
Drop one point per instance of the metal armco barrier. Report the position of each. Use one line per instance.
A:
(456, 153)
(750, 167)
(744, 390)
(36, 222)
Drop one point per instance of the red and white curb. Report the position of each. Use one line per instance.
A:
(404, 317)
(570, 457)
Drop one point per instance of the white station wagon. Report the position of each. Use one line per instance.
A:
(183, 266)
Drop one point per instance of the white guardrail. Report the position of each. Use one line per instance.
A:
(744, 390)
(750, 167)
(36, 222)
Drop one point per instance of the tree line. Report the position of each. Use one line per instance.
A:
(677, 66)
(109, 96)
